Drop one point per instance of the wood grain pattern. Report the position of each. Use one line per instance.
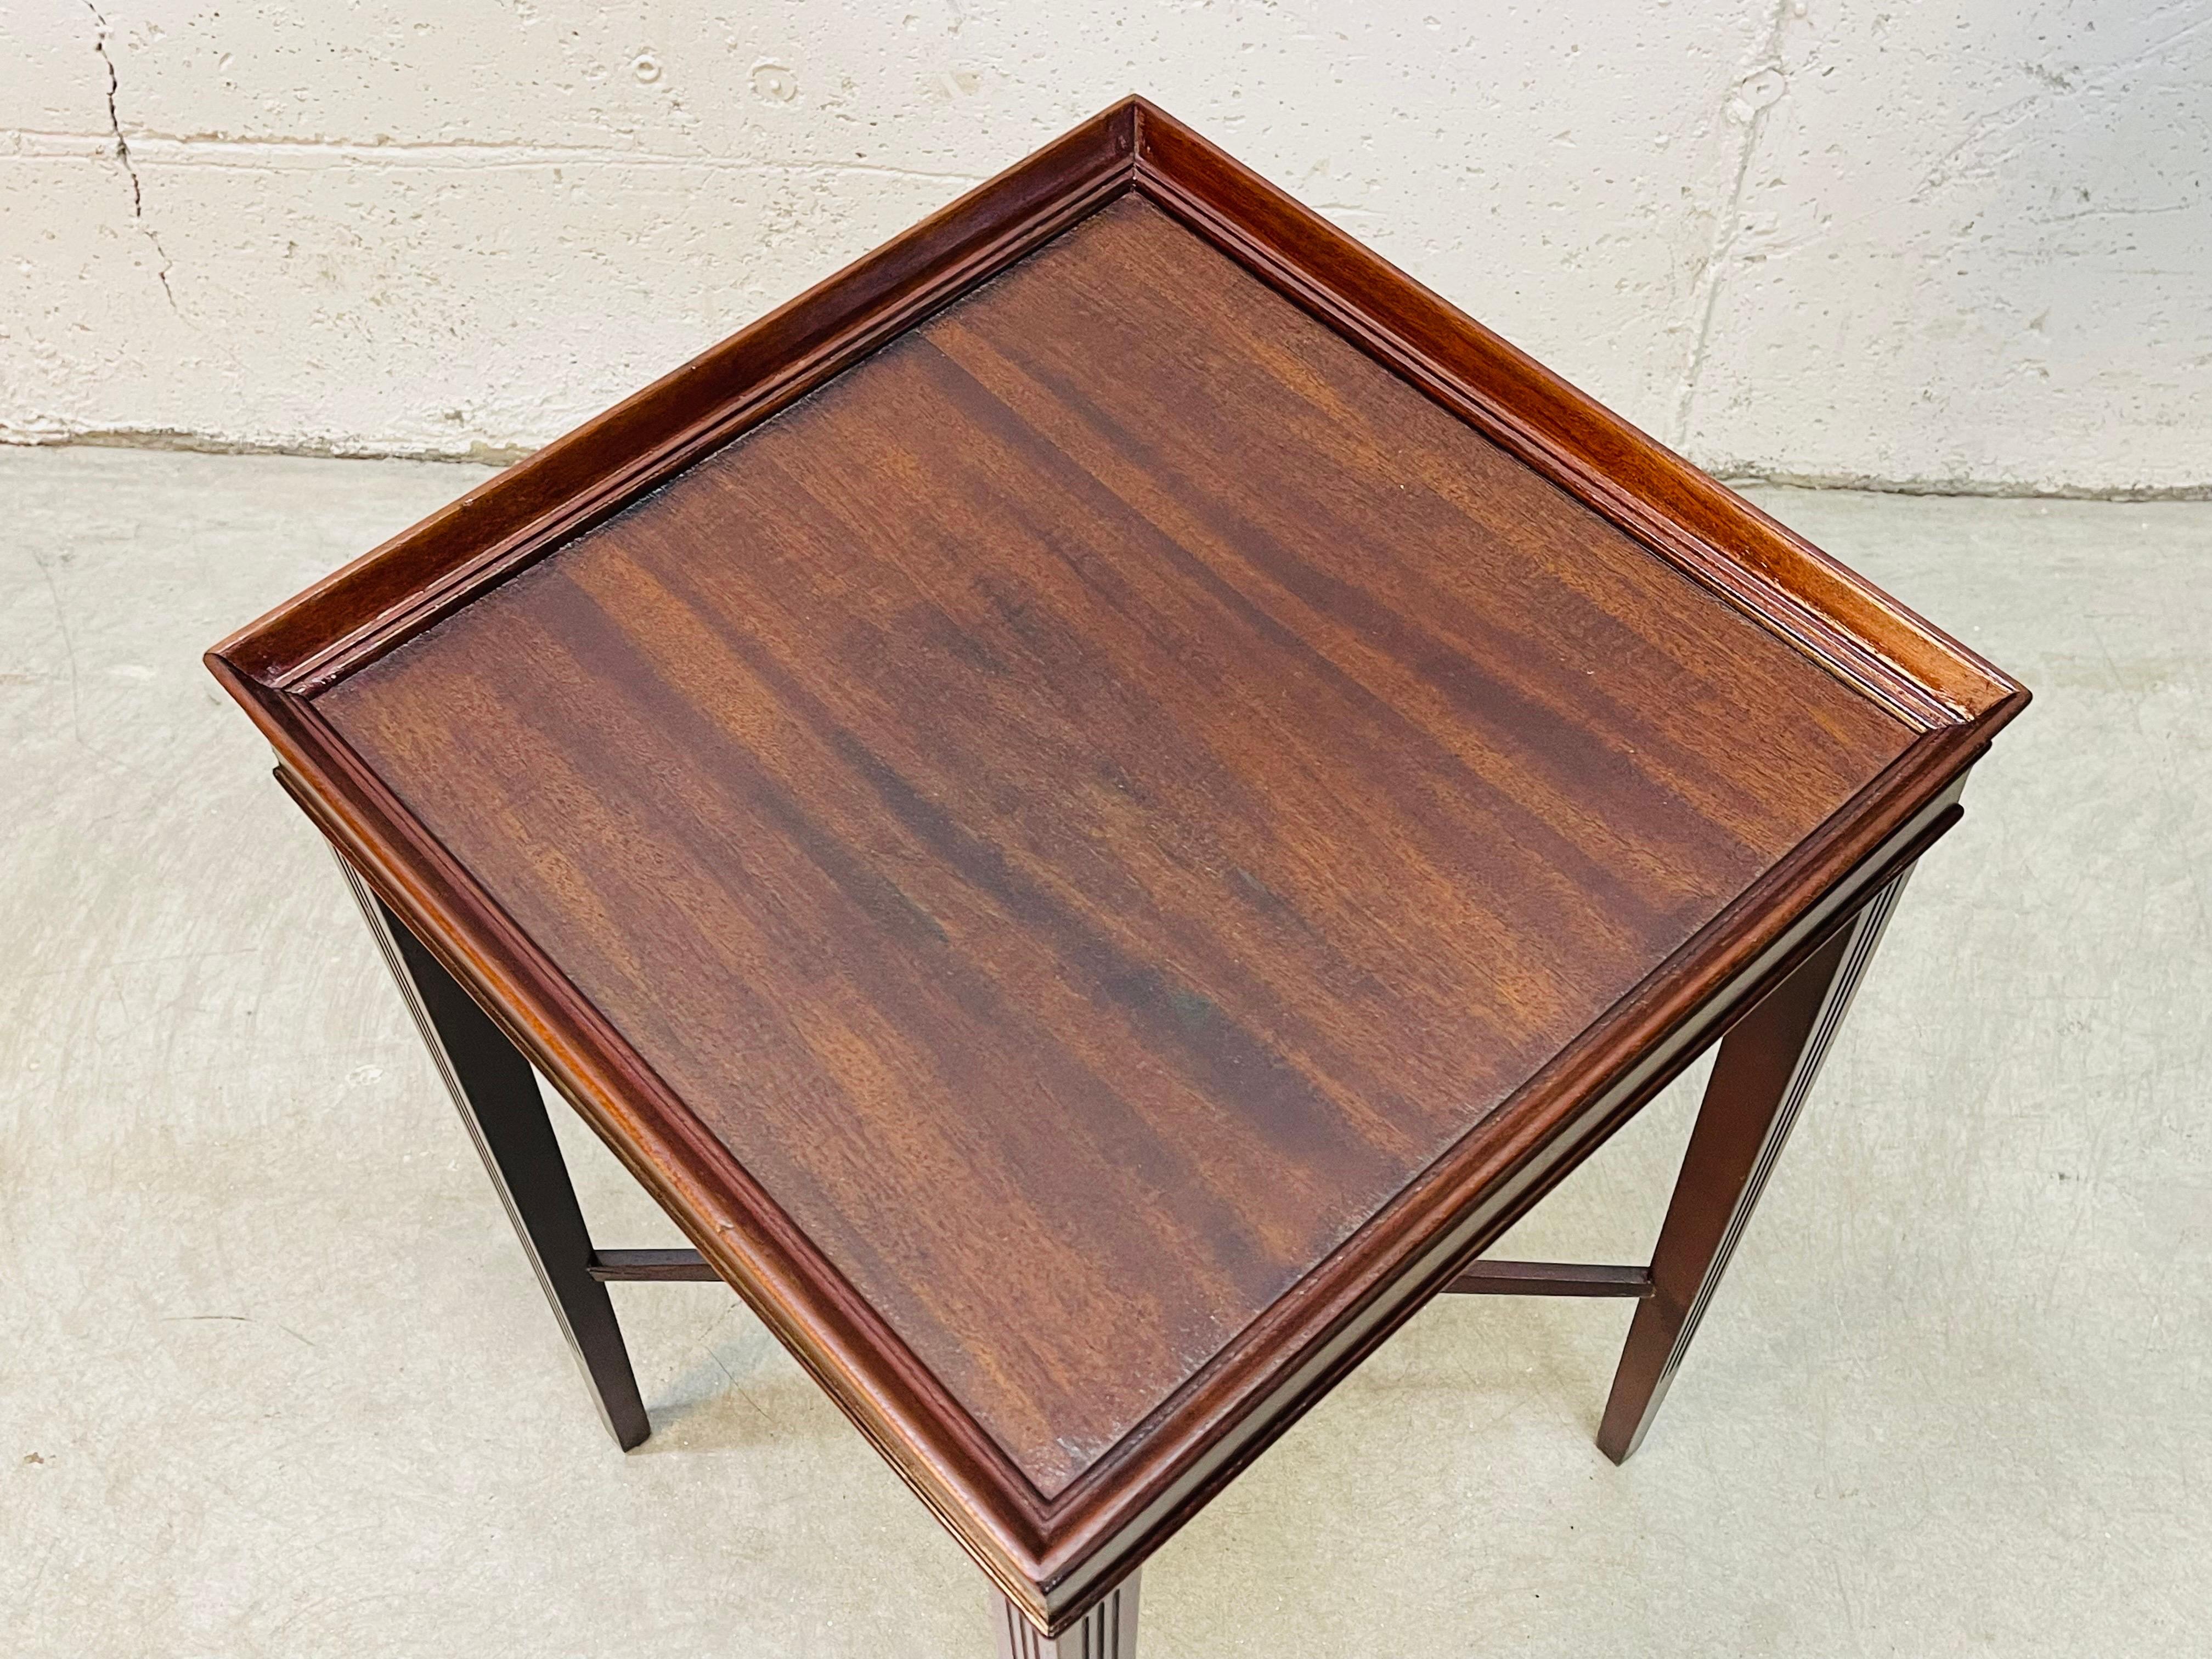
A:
(1088, 805)
(1178, 736)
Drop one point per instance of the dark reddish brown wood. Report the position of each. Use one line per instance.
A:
(1092, 859)
(1117, 992)
(663, 1266)
(1484, 1279)
(1107, 1631)
(1766, 1069)
(494, 1089)
(1549, 1278)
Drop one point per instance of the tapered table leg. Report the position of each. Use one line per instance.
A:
(1765, 1068)
(497, 1094)
(1108, 1631)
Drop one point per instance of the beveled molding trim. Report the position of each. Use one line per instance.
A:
(1054, 1558)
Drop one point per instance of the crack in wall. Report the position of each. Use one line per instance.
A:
(1728, 227)
(1763, 56)
(123, 156)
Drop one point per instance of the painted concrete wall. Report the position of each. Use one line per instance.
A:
(1959, 244)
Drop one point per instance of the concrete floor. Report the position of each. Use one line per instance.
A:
(275, 1379)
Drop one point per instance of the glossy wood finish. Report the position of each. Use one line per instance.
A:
(1766, 1069)
(1298, 774)
(1096, 859)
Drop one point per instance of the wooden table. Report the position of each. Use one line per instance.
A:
(1095, 806)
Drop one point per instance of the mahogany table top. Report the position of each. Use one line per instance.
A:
(1069, 800)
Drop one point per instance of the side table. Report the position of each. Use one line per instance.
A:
(1097, 806)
